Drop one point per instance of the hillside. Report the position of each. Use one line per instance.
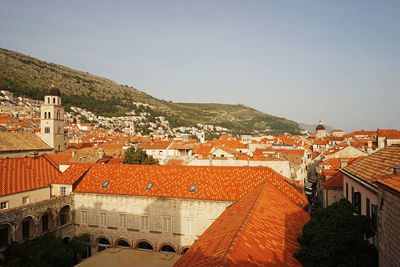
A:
(27, 76)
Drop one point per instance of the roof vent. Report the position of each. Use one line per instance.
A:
(396, 170)
(105, 184)
(149, 185)
(192, 188)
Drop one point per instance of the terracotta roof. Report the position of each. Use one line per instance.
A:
(259, 230)
(392, 181)
(376, 165)
(335, 182)
(203, 151)
(21, 141)
(389, 134)
(216, 183)
(72, 173)
(23, 174)
(175, 162)
(156, 145)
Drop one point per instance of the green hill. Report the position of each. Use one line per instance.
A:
(27, 76)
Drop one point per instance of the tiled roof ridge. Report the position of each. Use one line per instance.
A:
(46, 157)
(287, 196)
(259, 188)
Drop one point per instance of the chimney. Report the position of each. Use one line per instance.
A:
(369, 143)
(396, 170)
(73, 153)
(343, 163)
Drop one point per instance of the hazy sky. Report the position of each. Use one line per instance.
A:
(338, 61)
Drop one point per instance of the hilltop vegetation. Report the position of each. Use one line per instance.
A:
(27, 76)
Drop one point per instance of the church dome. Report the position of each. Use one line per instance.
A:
(53, 91)
(320, 126)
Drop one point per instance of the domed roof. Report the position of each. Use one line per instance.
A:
(53, 91)
(320, 126)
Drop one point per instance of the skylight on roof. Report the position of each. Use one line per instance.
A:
(193, 188)
(105, 184)
(149, 185)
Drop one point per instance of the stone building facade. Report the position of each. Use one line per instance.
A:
(35, 219)
(52, 120)
(389, 220)
(135, 221)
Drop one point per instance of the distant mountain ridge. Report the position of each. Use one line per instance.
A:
(27, 76)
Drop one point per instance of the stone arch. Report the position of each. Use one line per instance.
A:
(6, 233)
(184, 249)
(26, 228)
(103, 242)
(167, 247)
(64, 215)
(47, 220)
(144, 244)
(66, 239)
(122, 242)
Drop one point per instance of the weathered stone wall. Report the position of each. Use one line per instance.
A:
(389, 228)
(201, 213)
(11, 219)
(331, 195)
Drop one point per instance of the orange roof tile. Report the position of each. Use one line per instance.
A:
(23, 174)
(72, 173)
(335, 182)
(216, 183)
(376, 165)
(392, 181)
(261, 229)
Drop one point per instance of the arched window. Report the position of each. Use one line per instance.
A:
(45, 115)
(167, 248)
(184, 250)
(49, 115)
(144, 246)
(54, 100)
(123, 244)
(48, 100)
(103, 244)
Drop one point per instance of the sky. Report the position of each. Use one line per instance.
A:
(335, 61)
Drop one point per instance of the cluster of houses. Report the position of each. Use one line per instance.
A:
(203, 203)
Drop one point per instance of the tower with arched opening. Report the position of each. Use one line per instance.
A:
(52, 119)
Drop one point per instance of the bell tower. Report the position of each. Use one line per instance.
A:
(52, 119)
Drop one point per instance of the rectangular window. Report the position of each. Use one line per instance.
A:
(63, 190)
(374, 216)
(368, 207)
(167, 225)
(347, 191)
(84, 217)
(145, 222)
(190, 226)
(122, 220)
(103, 219)
(25, 200)
(352, 195)
(357, 202)
(4, 205)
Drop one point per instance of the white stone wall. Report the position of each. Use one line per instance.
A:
(201, 212)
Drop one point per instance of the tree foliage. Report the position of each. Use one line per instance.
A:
(47, 250)
(138, 156)
(336, 237)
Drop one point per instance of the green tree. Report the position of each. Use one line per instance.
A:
(336, 237)
(47, 250)
(138, 156)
